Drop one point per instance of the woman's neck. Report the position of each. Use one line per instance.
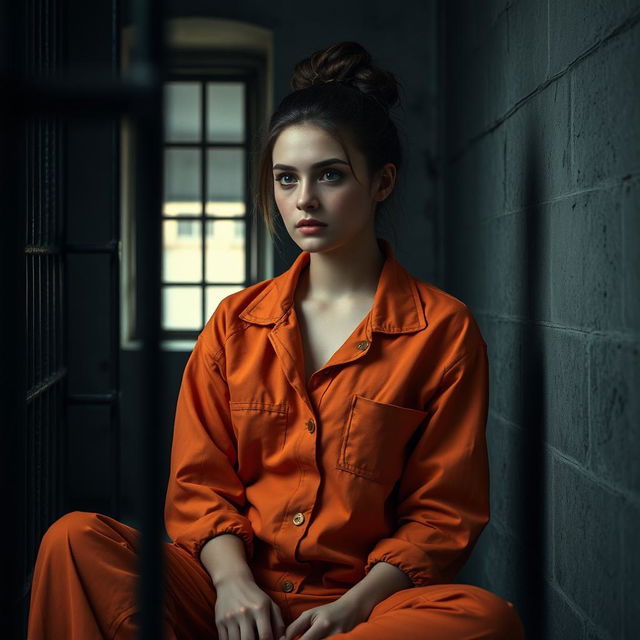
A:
(347, 272)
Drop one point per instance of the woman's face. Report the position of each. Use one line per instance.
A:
(312, 179)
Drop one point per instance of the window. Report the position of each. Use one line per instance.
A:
(205, 210)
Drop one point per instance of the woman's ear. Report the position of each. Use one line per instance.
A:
(385, 182)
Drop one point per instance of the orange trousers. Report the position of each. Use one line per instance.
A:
(84, 588)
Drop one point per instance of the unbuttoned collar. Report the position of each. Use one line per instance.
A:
(396, 308)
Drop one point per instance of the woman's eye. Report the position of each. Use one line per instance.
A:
(337, 175)
(283, 179)
(288, 179)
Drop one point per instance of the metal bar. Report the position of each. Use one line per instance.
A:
(40, 388)
(114, 346)
(72, 94)
(38, 318)
(41, 249)
(148, 63)
(248, 241)
(46, 324)
(113, 246)
(204, 196)
(93, 398)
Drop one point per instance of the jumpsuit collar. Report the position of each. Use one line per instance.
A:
(396, 307)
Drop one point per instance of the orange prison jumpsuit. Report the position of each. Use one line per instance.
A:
(381, 457)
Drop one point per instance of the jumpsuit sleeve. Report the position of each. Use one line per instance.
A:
(443, 494)
(204, 493)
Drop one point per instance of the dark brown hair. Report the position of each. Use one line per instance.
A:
(339, 90)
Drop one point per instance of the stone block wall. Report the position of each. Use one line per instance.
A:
(541, 175)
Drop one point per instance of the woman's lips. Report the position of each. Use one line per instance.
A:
(309, 230)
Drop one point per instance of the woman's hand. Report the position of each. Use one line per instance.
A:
(243, 611)
(336, 617)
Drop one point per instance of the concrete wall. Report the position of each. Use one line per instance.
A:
(542, 163)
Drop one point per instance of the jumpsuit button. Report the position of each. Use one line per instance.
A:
(287, 586)
(362, 345)
(311, 426)
(298, 519)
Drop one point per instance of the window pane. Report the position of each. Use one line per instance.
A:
(225, 112)
(215, 294)
(225, 251)
(183, 113)
(182, 251)
(182, 193)
(225, 182)
(181, 308)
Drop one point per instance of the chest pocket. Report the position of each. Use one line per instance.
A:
(260, 429)
(375, 437)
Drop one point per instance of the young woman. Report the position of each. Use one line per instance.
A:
(329, 469)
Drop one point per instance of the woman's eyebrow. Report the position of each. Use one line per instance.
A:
(316, 165)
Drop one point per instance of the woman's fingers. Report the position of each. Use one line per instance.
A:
(277, 622)
(247, 630)
(233, 631)
(222, 631)
(246, 612)
(317, 630)
(262, 615)
(299, 625)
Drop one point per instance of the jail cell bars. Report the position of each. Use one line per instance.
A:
(45, 370)
(34, 365)
(44, 417)
(37, 204)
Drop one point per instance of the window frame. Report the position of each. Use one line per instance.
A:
(206, 65)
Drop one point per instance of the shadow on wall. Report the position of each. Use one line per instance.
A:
(512, 557)
(530, 506)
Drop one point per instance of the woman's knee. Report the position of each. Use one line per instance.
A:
(498, 614)
(69, 528)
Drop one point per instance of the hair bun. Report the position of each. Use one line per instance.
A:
(347, 63)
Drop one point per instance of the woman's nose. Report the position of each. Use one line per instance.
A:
(306, 198)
